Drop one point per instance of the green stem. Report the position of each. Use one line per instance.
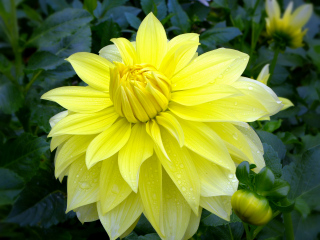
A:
(274, 61)
(33, 79)
(288, 226)
(248, 233)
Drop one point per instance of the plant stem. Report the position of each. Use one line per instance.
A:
(33, 79)
(248, 233)
(288, 226)
(274, 61)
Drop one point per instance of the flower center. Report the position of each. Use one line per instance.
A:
(139, 92)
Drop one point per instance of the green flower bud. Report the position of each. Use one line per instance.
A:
(251, 208)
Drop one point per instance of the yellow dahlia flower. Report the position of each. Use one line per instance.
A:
(287, 31)
(263, 77)
(158, 130)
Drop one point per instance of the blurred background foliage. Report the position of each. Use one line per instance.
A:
(37, 35)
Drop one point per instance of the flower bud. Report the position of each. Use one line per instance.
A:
(251, 208)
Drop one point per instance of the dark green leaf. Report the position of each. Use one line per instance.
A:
(41, 203)
(282, 207)
(242, 173)
(214, 221)
(5, 64)
(117, 15)
(272, 160)
(90, 5)
(302, 207)
(44, 61)
(22, 155)
(271, 126)
(274, 142)
(133, 20)
(10, 186)
(217, 36)
(280, 189)
(180, 18)
(32, 14)
(264, 181)
(11, 98)
(306, 228)
(158, 7)
(232, 231)
(59, 25)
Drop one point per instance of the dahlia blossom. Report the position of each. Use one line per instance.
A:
(158, 130)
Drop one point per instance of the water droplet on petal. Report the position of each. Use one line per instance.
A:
(250, 88)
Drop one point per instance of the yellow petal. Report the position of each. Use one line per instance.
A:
(220, 206)
(130, 229)
(234, 140)
(169, 122)
(151, 41)
(71, 150)
(204, 141)
(193, 225)
(138, 148)
(273, 9)
(264, 75)
(57, 118)
(301, 15)
(287, 14)
(179, 54)
(286, 103)
(181, 169)
(153, 130)
(92, 69)
(85, 123)
(218, 66)
(150, 189)
(204, 94)
(111, 53)
(115, 188)
(79, 99)
(87, 213)
(108, 142)
(175, 211)
(83, 184)
(224, 181)
(120, 218)
(56, 141)
(127, 51)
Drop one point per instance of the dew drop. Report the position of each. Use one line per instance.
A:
(250, 88)
(77, 175)
(115, 189)
(181, 165)
(179, 175)
(220, 76)
(184, 189)
(235, 136)
(154, 196)
(85, 185)
(230, 175)
(235, 103)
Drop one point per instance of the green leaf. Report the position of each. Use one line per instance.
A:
(264, 181)
(5, 64)
(117, 15)
(303, 175)
(272, 160)
(280, 189)
(283, 207)
(90, 5)
(271, 126)
(274, 142)
(106, 6)
(232, 231)
(44, 61)
(22, 155)
(32, 14)
(59, 25)
(11, 187)
(306, 228)
(133, 20)
(41, 203)
(11, 98)
(180, 18)
(215, 36)
(242, 173)
(158, 7)
(214, 221)
(302, 207)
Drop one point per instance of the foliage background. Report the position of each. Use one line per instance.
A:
(36, 37)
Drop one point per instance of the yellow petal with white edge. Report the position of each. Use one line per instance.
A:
(193, 225)
(175, 211)
(130, 229)
(83, 184)
(224, 181)
(264, 75)
(181, 169)
(273, 9)
(204, 141)
(301, 15)
(58, 140)
(207, 93)
(115, 188)
(127, 51)
(169, 122)
(92, 69)
(178, 57)
(120, 218)
(138, 148)
(58, 117)
(108, 142)
(220, 206)
(150, 189)
(234, 140)
(111, 53)
(85, 123)
(153, 130)
(221, 66)
(79, 99)
(286, 103)
(87, 213)
(151, 41)
(71, 149)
